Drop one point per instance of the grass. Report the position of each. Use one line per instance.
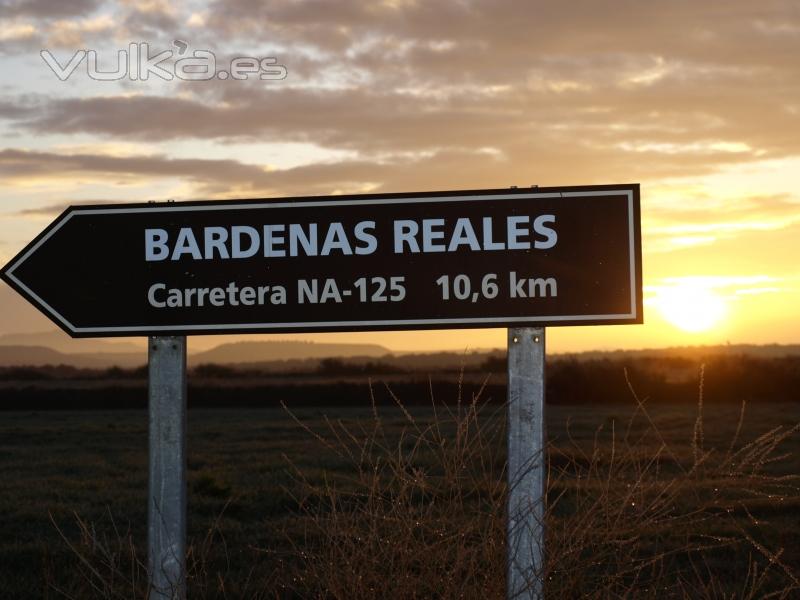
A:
(643, 502)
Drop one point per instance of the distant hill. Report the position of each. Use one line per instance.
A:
(56, 348)
(259, 352)
(14, 356)
(694, 353)
(60, 341)
(425, 363)
(18, 356)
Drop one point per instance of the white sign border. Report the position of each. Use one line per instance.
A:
(170, 207)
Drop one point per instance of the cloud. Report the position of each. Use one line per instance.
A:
(390, 80)
(678, 207)
(15, 31)
(583, 92)
(52, 210)
(27, 26)
(681, 87)
(15, 109)
(209, 177)
(695, 219)
(151, 19)
(747, 251)
(47, 9)
(77, 33)
(16, 164)
(649, 129)
(437, 170)
(513, 34)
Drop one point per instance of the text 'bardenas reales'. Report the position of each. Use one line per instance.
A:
(406, 236)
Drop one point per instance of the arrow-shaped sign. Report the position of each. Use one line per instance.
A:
(485, 258)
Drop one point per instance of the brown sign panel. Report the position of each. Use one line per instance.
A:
(475, 258)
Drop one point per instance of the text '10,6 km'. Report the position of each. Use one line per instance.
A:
(478, 258)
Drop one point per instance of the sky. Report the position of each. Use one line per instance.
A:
(699, 102)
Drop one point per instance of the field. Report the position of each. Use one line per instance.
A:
(284, 506)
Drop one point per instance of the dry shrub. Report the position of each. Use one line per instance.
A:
(107, 562)
(420, 513)
(415, 516)
(423, 515)
(634, 515)
(111, 568)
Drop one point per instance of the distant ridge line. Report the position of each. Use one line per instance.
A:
(54, 348)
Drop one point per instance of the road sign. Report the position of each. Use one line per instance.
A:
(485, 258)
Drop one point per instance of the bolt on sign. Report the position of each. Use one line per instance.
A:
(453, 259)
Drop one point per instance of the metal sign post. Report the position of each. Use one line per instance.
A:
(527, 473)
(166, 506)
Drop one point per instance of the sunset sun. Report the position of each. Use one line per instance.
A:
(691, 307)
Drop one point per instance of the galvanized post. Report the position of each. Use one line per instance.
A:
(526, 464)
(166, 510)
